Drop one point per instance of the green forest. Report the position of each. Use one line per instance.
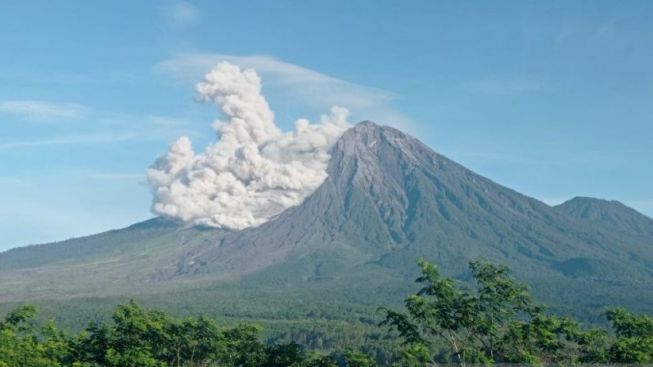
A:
(493, 321)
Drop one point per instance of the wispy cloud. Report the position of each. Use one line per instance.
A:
(104, 127)
(23, 180)
(11, 181)
(69, 140)
(165, 122)
(43, 110)
(180, 13)
(505, 85)
(112, 176)
(297, 83)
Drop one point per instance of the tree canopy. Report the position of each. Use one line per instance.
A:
(493, 321)
(497, 321)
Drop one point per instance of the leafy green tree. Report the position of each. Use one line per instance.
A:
(194, 342)
(90, 346)
(358, 359)
(138, 337)
(444, 314)
(320, 361)
(634, 343)
(148, 338)
(496, 322)
(243, 347)
(285, 355)
(542, 339)
(20, 344)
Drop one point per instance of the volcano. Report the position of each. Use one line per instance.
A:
(388, 201)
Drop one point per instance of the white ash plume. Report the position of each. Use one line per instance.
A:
(254, 171)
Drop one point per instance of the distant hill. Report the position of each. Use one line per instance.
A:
(389, 200)
(608, 214)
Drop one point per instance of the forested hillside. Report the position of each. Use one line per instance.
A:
(445, 322)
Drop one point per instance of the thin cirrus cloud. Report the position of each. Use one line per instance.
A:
(180, 13)
(154, 128)
(295, 82)
(69, 140)
(43, 111)
(102, 127)
(117, 176)
(505, 85)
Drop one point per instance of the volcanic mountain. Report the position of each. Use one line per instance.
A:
(388, 200)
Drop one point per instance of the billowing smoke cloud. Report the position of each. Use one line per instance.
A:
(254, 171)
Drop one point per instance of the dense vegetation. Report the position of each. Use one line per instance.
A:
(445, 322)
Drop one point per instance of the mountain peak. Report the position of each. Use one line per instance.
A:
(608, 213)
(371, 127)
(370, 153)
(588, 204)
(367, 124)
(365, 129)
(370, 139)
(592, 200)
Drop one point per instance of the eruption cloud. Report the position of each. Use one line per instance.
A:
(254, 170)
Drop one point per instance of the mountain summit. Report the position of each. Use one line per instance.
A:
(388, 200)
(608, 214)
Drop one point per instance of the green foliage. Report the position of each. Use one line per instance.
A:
(150, 338)
(320, 361)
(471, 325)
(634, 333)
(285, 355)
(138, 337)
(20, 344)
(498, 322)
(357, 359)
(445, 322)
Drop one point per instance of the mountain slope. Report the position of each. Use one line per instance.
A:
(78, 249)
(607, 214)
(388, 200)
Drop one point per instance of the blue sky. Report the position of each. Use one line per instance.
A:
(553, 99)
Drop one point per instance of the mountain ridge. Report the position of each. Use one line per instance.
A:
(609, 213)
